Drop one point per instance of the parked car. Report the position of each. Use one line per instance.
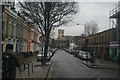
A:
(78, 54)
(86, 56)
(67, 50)
(75, 52)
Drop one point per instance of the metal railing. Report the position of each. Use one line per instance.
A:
(26, 61)
(24, 67)
(114, 11)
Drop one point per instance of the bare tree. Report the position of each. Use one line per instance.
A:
(47, 16)
(90, 28)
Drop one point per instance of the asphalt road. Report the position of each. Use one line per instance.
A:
(67, 66)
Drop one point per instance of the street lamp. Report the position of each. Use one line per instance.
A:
(84, 33)
(86, 42)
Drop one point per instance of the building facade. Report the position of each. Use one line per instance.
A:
(17, 32)
(99, 43)
(115, 22)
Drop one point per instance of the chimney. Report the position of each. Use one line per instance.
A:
(13, 9)
(18, 13)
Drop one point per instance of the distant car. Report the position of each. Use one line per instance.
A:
(39, 55)
(72, 51)
(49, 53)
(67, 50)
(54, 50)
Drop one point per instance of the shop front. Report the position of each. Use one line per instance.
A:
(114, 50)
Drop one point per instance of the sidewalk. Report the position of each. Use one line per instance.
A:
(102, 64)
(38, 71)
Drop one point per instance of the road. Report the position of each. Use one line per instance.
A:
(67, 66)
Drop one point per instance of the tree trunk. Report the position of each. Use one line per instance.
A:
(45, 50)
(47, 31)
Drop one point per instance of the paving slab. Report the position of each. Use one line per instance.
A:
(38, 71)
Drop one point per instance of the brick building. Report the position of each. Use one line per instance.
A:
(17, 32)
(99, 43)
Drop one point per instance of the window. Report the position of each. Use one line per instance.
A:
(95, 40)
(62, 35)
(9, 30)
(105, 38)
(18, 31)
(99, 39)
(58, 32)
(108, 38)
(14, 30)
(102, 39)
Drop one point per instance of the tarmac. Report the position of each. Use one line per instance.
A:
(102, 64)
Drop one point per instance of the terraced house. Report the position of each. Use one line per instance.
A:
(17, 32)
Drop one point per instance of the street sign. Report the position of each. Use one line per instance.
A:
(42, 39)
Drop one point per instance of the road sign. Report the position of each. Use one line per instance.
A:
(42, 39)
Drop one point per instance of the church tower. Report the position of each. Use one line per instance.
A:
(61, 34)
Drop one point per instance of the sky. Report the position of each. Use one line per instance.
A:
(97, 11)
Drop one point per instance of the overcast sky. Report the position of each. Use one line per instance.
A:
(98, 11)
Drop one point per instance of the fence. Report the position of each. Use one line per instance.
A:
(25, 60)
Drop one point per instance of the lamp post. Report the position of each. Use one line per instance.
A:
(85, 48)
(84, 29)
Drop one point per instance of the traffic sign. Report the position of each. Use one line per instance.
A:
(42, 39)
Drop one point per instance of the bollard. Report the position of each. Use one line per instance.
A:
(26, 61)
(28, 69)
(32, 66)
(23, 68)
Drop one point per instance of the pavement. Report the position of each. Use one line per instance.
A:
(102, 64)
(39, 72)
